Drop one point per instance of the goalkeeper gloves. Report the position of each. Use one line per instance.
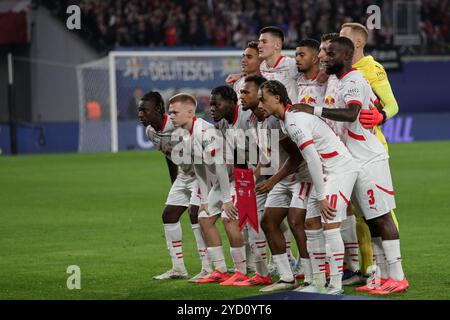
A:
(371, 118)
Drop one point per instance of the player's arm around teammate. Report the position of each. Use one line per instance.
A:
(373, 189)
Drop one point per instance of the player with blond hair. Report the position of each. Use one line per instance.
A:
(183, 193)
(205, 148)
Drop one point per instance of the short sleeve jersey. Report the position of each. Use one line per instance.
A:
(363, 144)
(285, 71)
(273, 123)
(305, 129)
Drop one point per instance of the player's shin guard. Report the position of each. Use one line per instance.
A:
(334, 240)
(348, 233)
(173, 235)
(392, 252)
(365, 245)
(201, 247)
(315, 243)
(217, 258)
(238, 255)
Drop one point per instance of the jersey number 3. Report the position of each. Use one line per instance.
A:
(371, 197)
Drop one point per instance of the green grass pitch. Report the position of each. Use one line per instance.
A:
(102, 212)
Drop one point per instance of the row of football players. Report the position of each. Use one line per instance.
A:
(297, 190)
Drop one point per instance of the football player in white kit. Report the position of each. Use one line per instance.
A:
(205, 147)
(184, 190)
(310, 91)
(276, 66)
(250, 66)
(373, 189)
(237, 122)
(352, 274)
(288, 203)
(333, 172)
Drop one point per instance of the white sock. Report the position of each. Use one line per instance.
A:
(248, 247)
(307, 269)
(258, 244)
(334, 239)
(327, 253)
(173, 235)
(380, 259)
(201, 247)
(288, 245)
(238, 255)
(287, 236)
(394, 259)
(217, 258)
(348, 233)
(315, 243)
(283, 267)
(288, 249)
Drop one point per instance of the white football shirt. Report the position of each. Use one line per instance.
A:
(305, 129)
(363, 144)
(204, 141)
(310, 92)
(285, 71)
(329, 101)
(237, 134)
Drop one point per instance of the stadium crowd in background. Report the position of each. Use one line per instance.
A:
(223, 23)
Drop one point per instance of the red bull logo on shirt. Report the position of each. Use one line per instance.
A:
(308, 100)
(329, 101)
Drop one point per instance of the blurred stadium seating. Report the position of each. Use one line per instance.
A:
(224, 23)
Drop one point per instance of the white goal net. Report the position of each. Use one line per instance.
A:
(94, 107)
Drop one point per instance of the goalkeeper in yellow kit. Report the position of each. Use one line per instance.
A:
(377, 78)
